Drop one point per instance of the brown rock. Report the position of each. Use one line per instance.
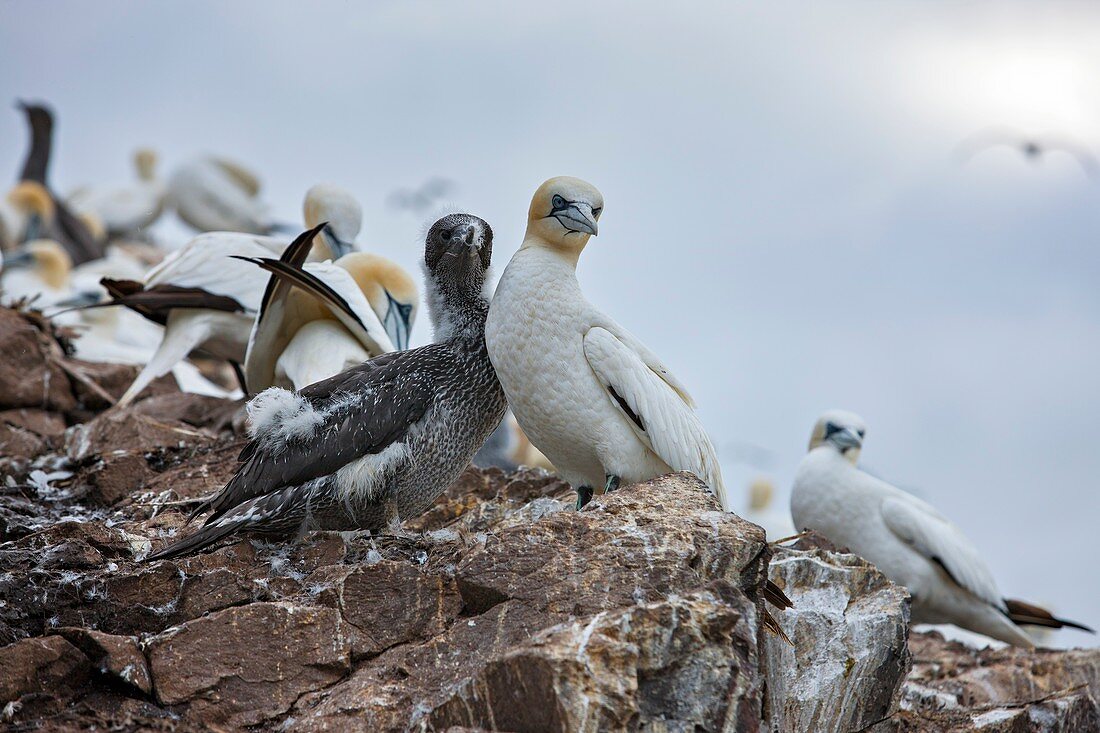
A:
(955, 687)
(29, 372)
(98, 385)
(126, 430)
(118, 656)
(118, 474)
(202, 411)
(49, 665)
(687, 663)
(242, 666)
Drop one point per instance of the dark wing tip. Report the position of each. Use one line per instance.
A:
(1022, 612)
(774, 595)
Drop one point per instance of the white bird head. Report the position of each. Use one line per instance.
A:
(46, 258)
(328, 203)
(842, 431)
(761, 491)
(145, 161)
(564, 214)
(392, 294)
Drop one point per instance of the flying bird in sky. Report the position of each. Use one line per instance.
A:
(423, 198)
(907, 539)
(1032, 148)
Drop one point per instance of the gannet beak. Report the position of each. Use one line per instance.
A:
(18, 259)
(336, 246)
(846, 439)
(577, 217)
(396, 322)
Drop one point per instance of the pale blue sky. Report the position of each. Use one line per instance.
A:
(784, 222)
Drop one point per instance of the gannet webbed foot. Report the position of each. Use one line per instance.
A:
(584, 495)
(612, 483)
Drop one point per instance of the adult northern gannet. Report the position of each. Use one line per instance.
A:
(378, 443)
(127, 210)
(207, 300)
(906, 538)
(52, 220)
(599, 404)
(217, 195)
(314, 322)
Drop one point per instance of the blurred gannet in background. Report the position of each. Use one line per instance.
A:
(314, 321)
(207, 300)
(125, 211)
(218, 195)
(44, 215)
(907, 539)
(762, 510)
(600, 405)
(375, 444)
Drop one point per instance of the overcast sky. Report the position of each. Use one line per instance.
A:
(784, 221)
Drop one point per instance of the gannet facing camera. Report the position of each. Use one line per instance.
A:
(600, 405)
(126, 210)
(39, 269)
(376, 444)
(906, 538)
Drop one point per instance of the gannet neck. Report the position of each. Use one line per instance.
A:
(567, 255)
(455, 312)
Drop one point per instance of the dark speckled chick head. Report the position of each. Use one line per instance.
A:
(457, 253)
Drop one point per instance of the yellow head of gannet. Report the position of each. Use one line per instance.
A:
(841, 429)
(34, 202)
(145, 161)
(392, 294)
(761, 491)
(48, 259)
(328, 203)
(94, 224)
(563, 215)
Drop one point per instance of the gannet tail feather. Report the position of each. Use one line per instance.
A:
(156, 302)
(1021, 612)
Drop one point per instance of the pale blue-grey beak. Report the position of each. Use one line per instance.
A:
(577, 217)
(396, 322)
(845, 439)
(336, 246)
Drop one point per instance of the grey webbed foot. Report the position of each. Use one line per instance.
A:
(612, 483)
(584, 495)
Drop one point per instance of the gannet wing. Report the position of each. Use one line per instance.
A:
(657, 411)
(309, 434)
(157, 302)
(920, 526)
(241, 176)
(268, 337)
(204, 263)
(651, 360)
(338, 291)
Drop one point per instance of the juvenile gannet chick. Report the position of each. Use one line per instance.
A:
(376, 444)
(314, 322)
(127, 210)
(55, 221)
(217, 195)
(599, 404)
(907, 539)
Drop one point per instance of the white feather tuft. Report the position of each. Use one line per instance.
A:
(279, 415)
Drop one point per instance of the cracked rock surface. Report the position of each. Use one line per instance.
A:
(509, 611)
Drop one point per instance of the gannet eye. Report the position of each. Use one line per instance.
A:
(861, 432)
(830, 428)
(558, 202)
(445, 234)
(596, 212)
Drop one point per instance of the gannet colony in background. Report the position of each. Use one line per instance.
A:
(600, 405)
(218, 195)
(907, 539)
(125, 211)
(376, 444)
(207, 300)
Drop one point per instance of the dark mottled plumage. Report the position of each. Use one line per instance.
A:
(379, 442)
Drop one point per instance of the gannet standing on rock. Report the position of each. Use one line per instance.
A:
(907, 539)
(599, 404)
(218, 195)
(378, 443)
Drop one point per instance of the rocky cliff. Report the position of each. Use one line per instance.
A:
(508, 611)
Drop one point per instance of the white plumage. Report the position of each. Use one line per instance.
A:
(906, 538)
(588, 394)
(214, 194)
(125, 210)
